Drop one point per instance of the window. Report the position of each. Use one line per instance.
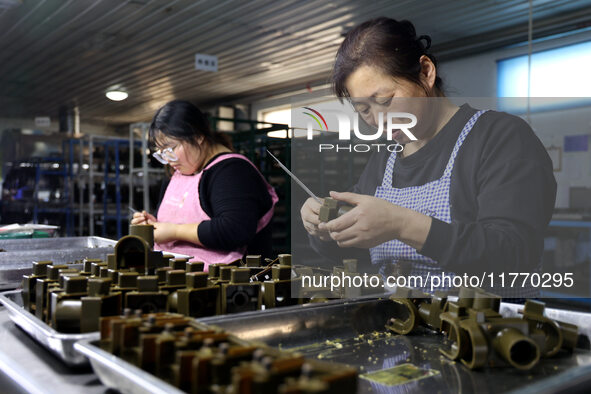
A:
(559, 78)
(282, 116)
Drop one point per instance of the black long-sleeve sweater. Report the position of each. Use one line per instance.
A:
(502, 194)
(233, 194)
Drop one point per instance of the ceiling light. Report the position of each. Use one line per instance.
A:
(116, 95)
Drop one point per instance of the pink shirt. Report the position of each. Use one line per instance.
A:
(181, 205)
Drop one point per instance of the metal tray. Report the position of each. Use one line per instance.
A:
(120, 375)
(126, 378)
(62, 345)
(20, 253)
(352, 332)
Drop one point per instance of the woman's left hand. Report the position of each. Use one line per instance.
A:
(165, 232)
(371, 222)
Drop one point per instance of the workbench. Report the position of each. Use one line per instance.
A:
(344, 332)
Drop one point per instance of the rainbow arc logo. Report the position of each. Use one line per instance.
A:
(315, 116)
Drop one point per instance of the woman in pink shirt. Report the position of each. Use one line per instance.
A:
(217, 204)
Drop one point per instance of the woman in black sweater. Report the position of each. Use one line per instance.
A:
(472, 194)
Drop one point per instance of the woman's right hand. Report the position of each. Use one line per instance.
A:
(309, 213)
(143, 217)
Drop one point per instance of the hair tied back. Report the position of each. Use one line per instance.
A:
(427, 41)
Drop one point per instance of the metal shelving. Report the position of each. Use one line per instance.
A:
(98, 168)
(40, 192)
(144, 171)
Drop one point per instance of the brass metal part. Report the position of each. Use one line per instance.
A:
(30, 282)
(99, 302)
(144, 231)
(41, 289)
(175, 280)
(239, 275)
(95, 268)
(197, 358)
(480, 336)
(214, 271)
(147, 298)
(557, 335)
(328, 211)
(161, 274)
(284, 259)
(198, 299)
(278, 292)
(226, 273)
(476, 355)
(332, 209)
(239, 295)
(72, 299)
(516, 348)
(134, 253)
(409, 300)
(253, 260)
(178, 264)
(195, 266)
(450, 324)
(65, 307)
(87, 265)
(350, 265)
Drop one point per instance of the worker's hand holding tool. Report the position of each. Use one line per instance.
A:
(371, 222)
(143, 217)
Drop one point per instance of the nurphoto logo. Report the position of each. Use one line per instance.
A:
(395, 121)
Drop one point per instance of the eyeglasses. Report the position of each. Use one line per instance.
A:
(166, 155)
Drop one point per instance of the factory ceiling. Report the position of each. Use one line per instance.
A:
(56, 53)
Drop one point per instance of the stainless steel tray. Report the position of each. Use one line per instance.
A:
(62, 345)
(20, 253)
(126, 378)
(120, 375)
(352, 332)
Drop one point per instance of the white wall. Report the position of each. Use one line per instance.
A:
(476, 76)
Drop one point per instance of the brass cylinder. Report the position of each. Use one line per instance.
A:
(144, 231)
(517, 349)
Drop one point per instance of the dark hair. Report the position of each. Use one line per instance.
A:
(391, 45)
(183, 121)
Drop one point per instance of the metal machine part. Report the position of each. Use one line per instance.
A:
(144, 231)
(196, 358)
(239, 294)
(198, 299)
(332, 209)
(480, 336)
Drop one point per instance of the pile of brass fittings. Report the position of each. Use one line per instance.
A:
(480, 336)
(136, 277)
(201, 359)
